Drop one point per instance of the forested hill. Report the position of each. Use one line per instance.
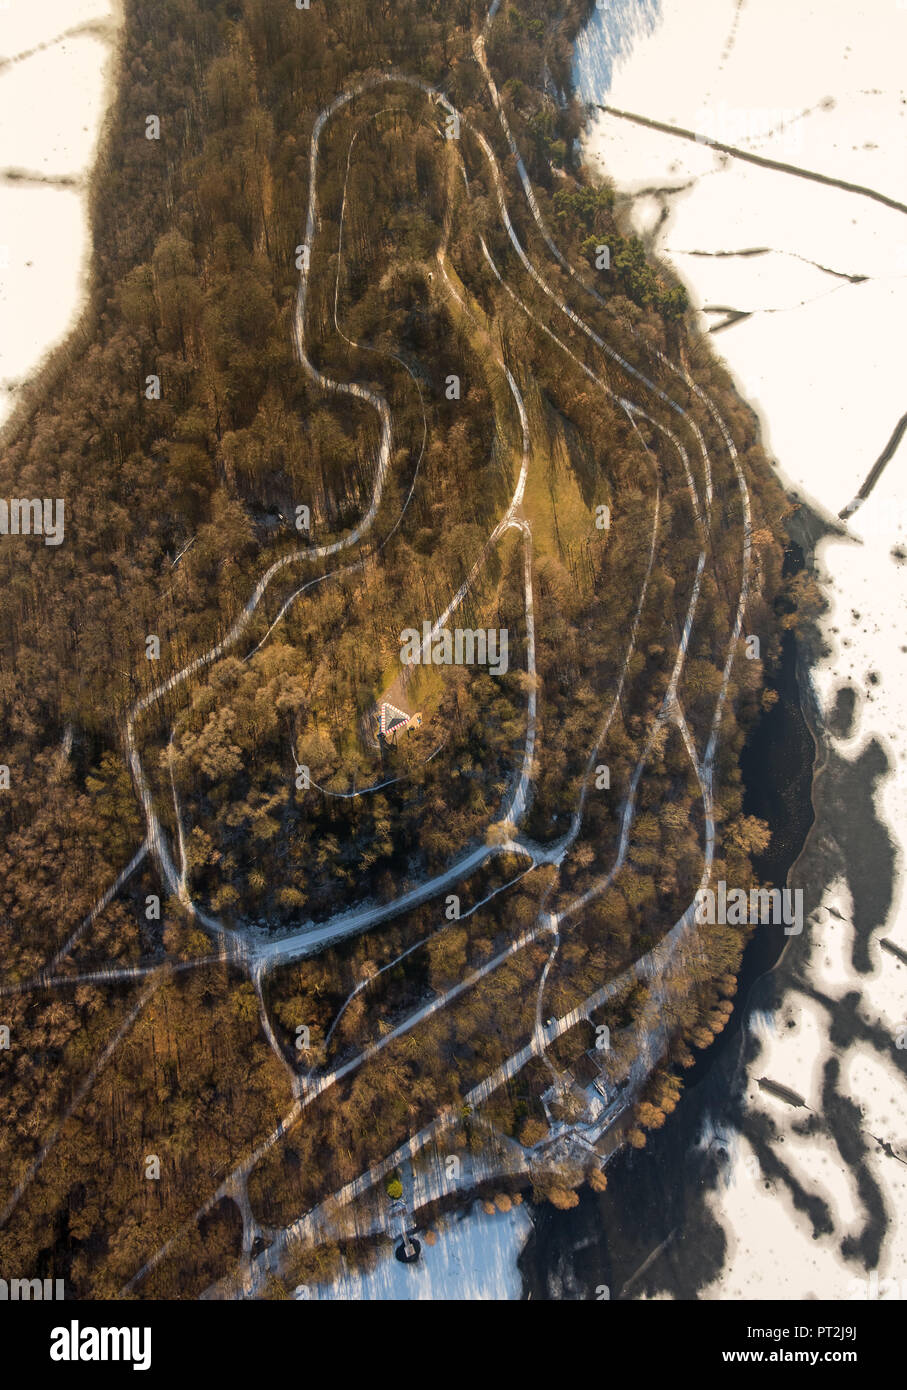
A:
(308, 224)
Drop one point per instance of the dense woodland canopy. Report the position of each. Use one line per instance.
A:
(175, 508)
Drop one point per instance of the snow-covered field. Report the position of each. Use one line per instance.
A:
(820, 356)
(474, 1257)
(54, 88)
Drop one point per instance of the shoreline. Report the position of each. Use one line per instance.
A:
(661, 1192)
(827, 990)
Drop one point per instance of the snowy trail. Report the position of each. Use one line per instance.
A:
(417, 945)
(375, 786)
(155, 843)
(655, 962)
(112, 974)
(357, 920)
(103, 902)
(156, 838)
(303, 942)
(670, 698)
(647, 967)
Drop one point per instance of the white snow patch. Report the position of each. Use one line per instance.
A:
(44, 234)
(475, 1258)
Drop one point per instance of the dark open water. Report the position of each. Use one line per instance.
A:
(651, 1231)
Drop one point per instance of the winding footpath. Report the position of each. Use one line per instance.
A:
(259, 956)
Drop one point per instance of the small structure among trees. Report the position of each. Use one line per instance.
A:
(393, 721)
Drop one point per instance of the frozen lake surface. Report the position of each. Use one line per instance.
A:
(818, 351)
(47, 149)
